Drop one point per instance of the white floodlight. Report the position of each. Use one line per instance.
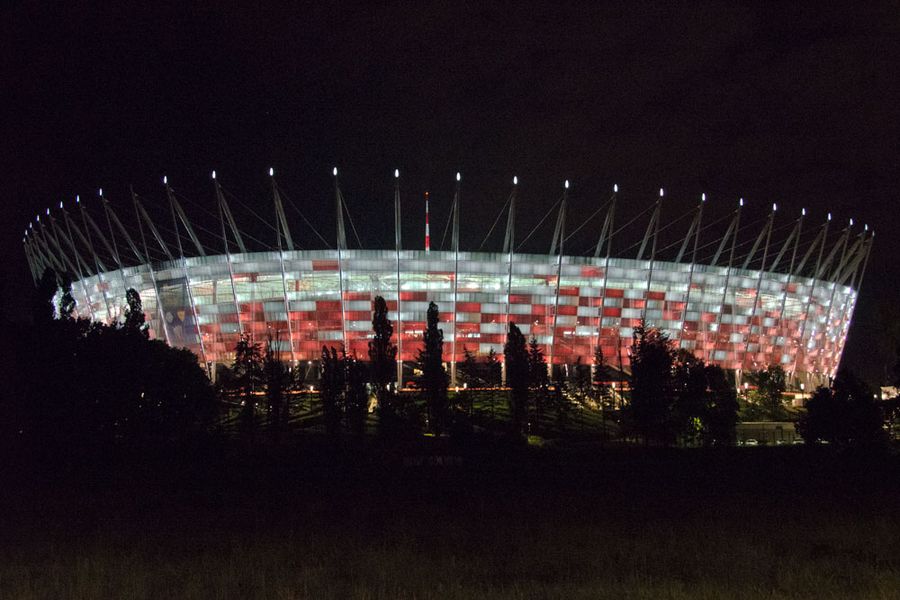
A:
(38, 219)
(334, 171)
(803, 212)
(214, 174)
(515, 180)
(566, 184)
(60, 205)
(101, 192)
(661, 192)
(615, 187)
(165, 180)
(829, 216)
(271, 172)
(396, 173)
(458, 176)
(851, 221)
(77, 199)
(703, 197)
(774, 207)
(741, 202)
(866, 227)
(48, 212)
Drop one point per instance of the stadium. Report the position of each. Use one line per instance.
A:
(784, 302)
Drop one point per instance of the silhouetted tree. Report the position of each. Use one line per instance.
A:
(434, 377)
(690, 396)
(277, 380)
(845, 413)
(382, 359)
(493, 377)
(333, 381)
(134, 314)
(600, 389)
(517, 377)
(248, 377)
(66, 300)
(468, 368)
(721, 408)
(538, 380)
(771, 383)
(493, 370)
(356, 403)
(650, 409)
(86, 386)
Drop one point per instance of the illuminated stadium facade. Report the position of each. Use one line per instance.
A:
(794, 308)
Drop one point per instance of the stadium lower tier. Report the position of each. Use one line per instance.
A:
(736, 318)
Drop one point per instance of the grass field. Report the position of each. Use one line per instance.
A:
(523, 523)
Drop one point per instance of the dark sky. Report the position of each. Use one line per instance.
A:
(792, 105)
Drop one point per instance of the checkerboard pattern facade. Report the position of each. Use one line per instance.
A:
(738, 319)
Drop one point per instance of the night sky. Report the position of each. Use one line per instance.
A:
(794, 106)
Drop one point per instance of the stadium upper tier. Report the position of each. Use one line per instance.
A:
(785, 302)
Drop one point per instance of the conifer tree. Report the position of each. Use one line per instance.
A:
(382, 358)
(134, 313)
(517, 377)
(434, 377)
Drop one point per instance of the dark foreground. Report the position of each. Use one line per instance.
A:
(307, 523)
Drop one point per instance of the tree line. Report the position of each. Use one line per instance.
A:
(90, 383)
